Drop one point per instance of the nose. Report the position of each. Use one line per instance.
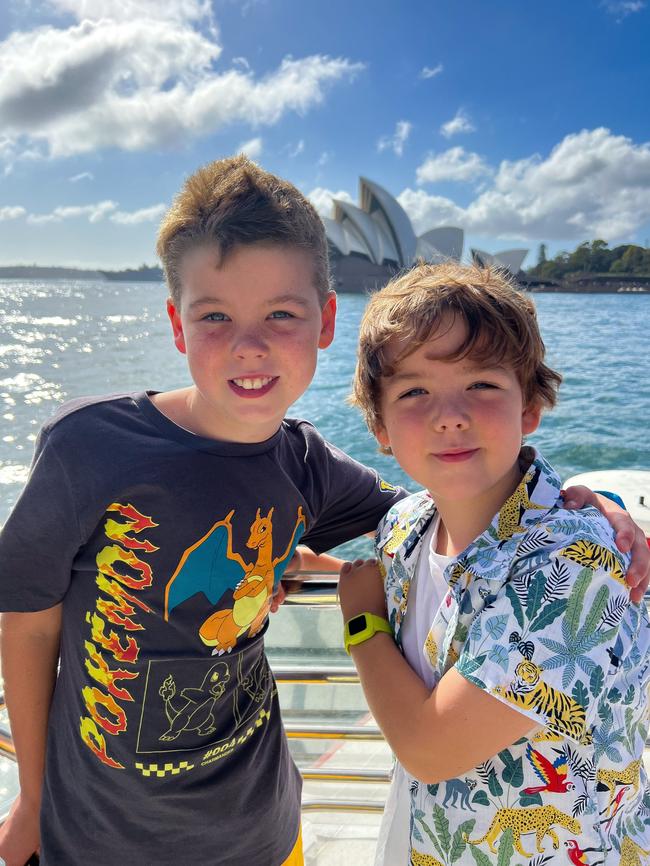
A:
(250, 344)
(450, 415)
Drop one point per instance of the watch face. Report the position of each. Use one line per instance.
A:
(357, 624)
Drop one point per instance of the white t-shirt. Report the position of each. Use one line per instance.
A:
(426, 594)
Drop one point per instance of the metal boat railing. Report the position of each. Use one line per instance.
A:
(308, 662)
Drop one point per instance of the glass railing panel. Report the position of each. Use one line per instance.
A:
(340, 838)
(8, 785)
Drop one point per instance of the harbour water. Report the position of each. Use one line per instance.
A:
(62, 339)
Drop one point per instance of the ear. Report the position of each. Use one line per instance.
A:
(328, 320)
(174, 314)
(530, 418)
(381, 435)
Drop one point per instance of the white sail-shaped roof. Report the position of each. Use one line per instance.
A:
(354, 240)
(389, 249)
(375, 197)
(446, 240)
(429, 253)
(380, 232)
(365, 226)
(336, 235)
(512, 259)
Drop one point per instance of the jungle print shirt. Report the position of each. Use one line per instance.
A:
(537, 614)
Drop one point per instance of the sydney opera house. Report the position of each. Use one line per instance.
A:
(370, 243)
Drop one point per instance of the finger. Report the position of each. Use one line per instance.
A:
(346, 567)
(638, 575)
(637, 595)
(278, 597)
(626, 532)
(576, 496)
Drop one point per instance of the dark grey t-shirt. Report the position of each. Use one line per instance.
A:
(165, 744)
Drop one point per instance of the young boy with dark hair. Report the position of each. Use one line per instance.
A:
(143, 554)
(495, 638)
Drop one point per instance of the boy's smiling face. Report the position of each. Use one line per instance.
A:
(251, 327)
(453, 426)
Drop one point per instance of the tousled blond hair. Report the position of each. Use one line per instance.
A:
(501, 329)
(233, 202)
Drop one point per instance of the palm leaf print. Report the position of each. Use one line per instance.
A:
(535, 540)
(557, 582)
(575, 605)
(616, 607)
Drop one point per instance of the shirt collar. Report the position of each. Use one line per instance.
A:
(535, 495)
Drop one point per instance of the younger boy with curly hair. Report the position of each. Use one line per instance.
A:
(495, 639)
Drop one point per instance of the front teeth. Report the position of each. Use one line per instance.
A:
(253, 384)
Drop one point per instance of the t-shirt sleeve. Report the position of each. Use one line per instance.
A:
(351, 501)
(541, 644)
(40, 539)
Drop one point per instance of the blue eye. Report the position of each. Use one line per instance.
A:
(216, 317)
(281, 314)
(482, 386)
(414, 392)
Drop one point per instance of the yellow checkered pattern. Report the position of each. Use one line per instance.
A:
(259, 721)
(161, 770)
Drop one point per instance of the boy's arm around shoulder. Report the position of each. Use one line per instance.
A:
(29, 643)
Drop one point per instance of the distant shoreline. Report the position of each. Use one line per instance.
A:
(581, 284)
(38, 272)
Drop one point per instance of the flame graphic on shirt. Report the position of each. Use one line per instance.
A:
(119, 607)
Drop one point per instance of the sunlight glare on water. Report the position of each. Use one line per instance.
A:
(62, 339)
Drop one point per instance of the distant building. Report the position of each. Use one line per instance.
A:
(370, 243)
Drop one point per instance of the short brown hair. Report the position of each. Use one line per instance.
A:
(233, 202)
(501, 328)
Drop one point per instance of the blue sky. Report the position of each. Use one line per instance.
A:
(521, 122)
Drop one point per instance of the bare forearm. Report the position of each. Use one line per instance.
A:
(310, 561)
(396, 697)
(30, 647)
(440, 734)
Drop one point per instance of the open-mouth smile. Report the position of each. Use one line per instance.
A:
(252, 386)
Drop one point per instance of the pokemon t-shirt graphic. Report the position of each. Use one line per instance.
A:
(165, 742)
(212, 567)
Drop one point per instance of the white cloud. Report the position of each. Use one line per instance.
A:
(84, 175)
(458, 124)
(139, 74)
(297, 149)
(252, 148)
(454, 164)
(592, 184)
(428, 211)
(11, 212)
(431, 72)
(144, 215)
(322, 198)
(127, 10)
(95, 213)
(623, 8)
(398, 139)
(324, 158)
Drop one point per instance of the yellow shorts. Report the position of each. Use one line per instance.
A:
(296, 858)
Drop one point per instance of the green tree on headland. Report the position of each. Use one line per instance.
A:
(592, 257)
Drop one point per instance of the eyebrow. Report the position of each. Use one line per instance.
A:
(472, 369)
(271, 302)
